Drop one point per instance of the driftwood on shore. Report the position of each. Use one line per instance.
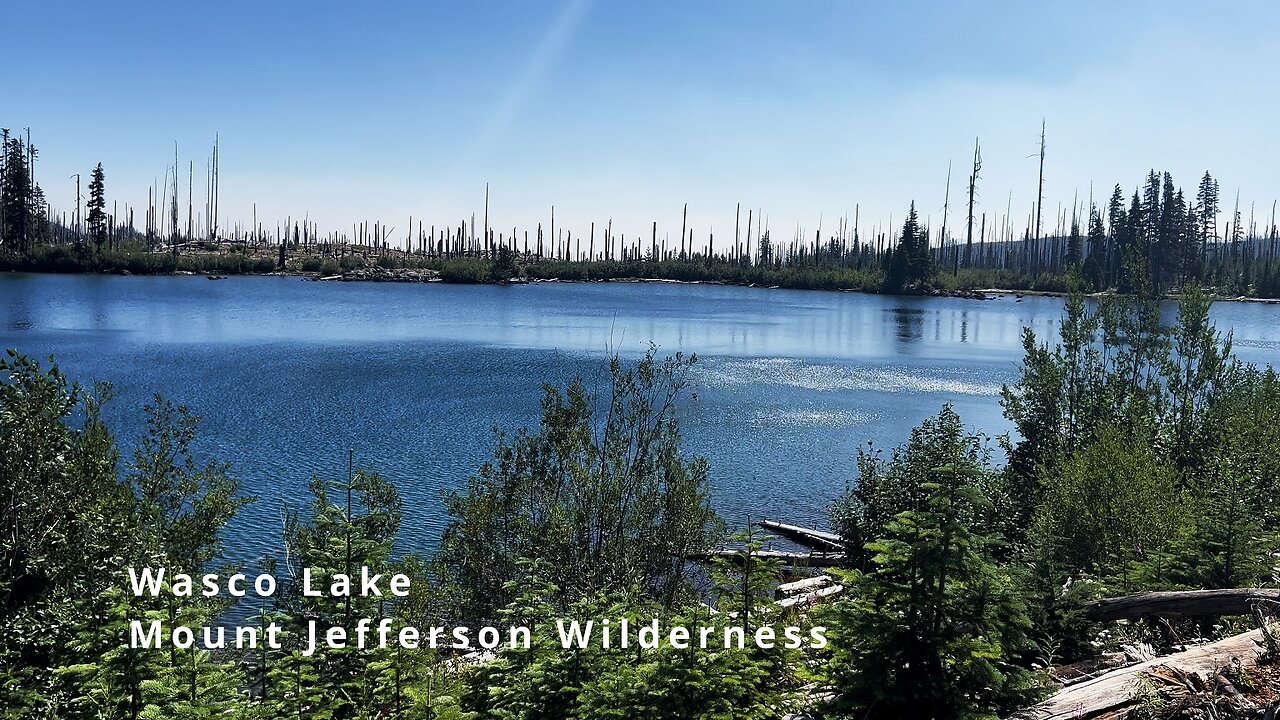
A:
(797, 559)
(1111, 695)
(811, 598)
(802, 585)
(1179, 603)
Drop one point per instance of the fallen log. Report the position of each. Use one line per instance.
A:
(797, 559)
(812, 597)
(1111, 695)
(808, 537)
(1179, 603)
(799, 586)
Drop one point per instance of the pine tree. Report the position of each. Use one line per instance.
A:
(15, 195)
(1095, 269)
(910, 265)
(1117, 231)
(97, 209)
(1150, 247)
(1075, 249)
(1207, 209)
(936, 627)
(766, 250)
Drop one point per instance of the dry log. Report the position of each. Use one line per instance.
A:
(798, 559)
(808, 537)
(1181, 603)
(1110, 696)
(800, 586)
(811, 597)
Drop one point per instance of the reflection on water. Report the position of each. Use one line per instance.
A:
(910, 325)
(288, 373)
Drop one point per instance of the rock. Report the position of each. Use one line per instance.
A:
(381, 274)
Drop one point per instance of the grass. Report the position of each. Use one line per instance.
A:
(73, 259)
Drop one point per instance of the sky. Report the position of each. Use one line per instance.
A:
(804, 111)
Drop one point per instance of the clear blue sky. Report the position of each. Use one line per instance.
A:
(380, 111)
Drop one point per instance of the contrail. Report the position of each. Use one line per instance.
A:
(530, 76)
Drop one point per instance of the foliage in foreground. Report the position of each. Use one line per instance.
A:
(73, 523)
(935, 626)
(1146, 458)
(601, 492)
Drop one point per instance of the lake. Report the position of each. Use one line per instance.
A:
(288, 374)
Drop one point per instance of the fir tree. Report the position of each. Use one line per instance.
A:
(1075, 248)
(1095, 264)
(910, 265)
(15, 195)
(936, 627)
(1207, 209)
(97, 209)
(1117, 230)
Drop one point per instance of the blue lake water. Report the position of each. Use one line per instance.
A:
(288, 374)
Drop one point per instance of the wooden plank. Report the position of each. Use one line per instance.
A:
(1181, 603)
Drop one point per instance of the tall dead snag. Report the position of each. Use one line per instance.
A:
(973, 185)
(173, 204)
(684, 226)
(737, 219)
(946, 205)
(211, 208)
(1040, 186)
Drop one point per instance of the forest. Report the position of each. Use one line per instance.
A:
(1145, 458)
(1155, 237)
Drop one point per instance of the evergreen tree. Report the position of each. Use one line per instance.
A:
(889, 486)
(1118, 231)
(910, 266)
(1075, 247)
(547, 681)
(936, 628)
(766, 250)
(97, 209)
(15, 195)
(1095, 268)
(1207, 209)
(355, 530)
(504, 267)
(1150, 247)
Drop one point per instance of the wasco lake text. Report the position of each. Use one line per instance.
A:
(368, 633)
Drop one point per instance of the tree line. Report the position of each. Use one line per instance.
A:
(1155, 239)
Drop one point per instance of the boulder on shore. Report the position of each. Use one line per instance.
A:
(381, 274)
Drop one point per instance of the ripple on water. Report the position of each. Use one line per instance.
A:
(803, 375)
(795, 418)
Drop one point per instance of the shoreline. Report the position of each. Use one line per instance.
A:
(377, 274)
